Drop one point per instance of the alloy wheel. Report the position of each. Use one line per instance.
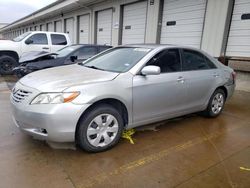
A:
(217, 103)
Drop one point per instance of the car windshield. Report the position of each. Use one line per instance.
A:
(117, 59)
(21, 37)
(66, 51)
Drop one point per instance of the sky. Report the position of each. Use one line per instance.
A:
(11, 10)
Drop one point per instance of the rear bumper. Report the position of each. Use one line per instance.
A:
(230, 90)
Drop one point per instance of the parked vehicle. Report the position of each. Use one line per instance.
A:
(34, 61)
(125, 87)
(12, 50)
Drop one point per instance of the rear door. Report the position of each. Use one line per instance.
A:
(36, 42)
(200, 75)
(159, 96)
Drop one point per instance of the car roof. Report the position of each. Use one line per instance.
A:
(161, 46)
(49, 32)
(96, 45)
(152, 46)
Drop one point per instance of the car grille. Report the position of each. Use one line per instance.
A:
(20, 95)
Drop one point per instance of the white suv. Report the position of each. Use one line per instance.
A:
(12, 50)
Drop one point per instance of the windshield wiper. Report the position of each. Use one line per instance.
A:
(93, 67)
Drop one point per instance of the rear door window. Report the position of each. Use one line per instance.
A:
(168, 60)
(195, 61)
(58, 39)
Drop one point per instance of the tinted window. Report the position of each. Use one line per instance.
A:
(58, 39)
(167, 60)
(66, 50)
(39, 39)
(103, 48)
(195, 61)
(86, 52)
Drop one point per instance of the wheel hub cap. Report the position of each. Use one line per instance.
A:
(102, 130)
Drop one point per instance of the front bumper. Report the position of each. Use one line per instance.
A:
(51, 122)
(56, 123)
(21, 71)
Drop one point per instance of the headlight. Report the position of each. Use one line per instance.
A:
(55, 98)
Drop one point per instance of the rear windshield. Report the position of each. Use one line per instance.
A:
(117, 59)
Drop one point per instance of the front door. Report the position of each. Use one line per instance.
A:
(159, 96)
(36, 42)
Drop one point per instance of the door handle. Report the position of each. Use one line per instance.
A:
(180, 79)
(45, 48)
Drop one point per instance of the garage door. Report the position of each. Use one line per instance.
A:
(134, 23)
(42, 27)
(49, 27)
(182, 22)
(58, 26)
(104, 27)
(83, 32)
(69, 28)
(239, 35)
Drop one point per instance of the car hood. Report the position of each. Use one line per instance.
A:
(60, 78)
(7, 44)
(45, 64)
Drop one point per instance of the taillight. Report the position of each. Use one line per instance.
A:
(234, 76)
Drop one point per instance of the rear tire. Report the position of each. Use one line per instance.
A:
(7, 64)
(216, 104)
(100, 129)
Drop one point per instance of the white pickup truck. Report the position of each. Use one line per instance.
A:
(12, 50)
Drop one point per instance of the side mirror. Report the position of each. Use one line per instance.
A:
(73, 58)
(29, 41)
(151, 70)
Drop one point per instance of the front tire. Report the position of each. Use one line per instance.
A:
(216, 104)
(7, 64)
(100, 129)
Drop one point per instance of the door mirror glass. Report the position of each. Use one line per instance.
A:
(151, 70)
(29, 41)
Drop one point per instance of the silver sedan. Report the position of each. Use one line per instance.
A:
(91, 103)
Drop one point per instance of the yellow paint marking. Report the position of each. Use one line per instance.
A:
(127, 134)
(243, 168)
